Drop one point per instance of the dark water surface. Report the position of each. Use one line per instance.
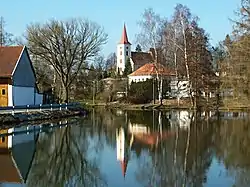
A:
(130, 149)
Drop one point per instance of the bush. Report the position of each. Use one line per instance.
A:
(142, 92)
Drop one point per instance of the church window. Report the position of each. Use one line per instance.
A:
(120, 60)
(127, 53)
(126, 47)
(120, 52)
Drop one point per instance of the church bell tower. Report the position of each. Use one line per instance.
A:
(123, 51)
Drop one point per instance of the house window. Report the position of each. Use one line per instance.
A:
(3, 92)
(127, 53)
(120, 52)
(120, 60)
(3, 139)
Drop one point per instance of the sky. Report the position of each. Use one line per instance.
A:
(112, 14)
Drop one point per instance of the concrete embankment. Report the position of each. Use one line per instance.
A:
(39, 116)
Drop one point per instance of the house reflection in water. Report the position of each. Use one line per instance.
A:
(16, 155)
(134, 137)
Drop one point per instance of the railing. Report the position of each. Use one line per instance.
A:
(27, 108)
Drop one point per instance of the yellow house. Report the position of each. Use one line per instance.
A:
(9, 173)
(5, 141)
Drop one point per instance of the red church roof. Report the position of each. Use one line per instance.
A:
(124, 164)
(124, 38)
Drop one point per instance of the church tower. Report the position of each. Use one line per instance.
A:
(123, 51)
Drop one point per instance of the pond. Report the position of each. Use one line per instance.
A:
(129, 149)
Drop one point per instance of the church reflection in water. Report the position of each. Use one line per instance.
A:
(135, 137)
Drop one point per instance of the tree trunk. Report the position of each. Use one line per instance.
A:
(65, 91)
(186, 60)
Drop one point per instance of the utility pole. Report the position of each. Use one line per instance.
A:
(1, 31)
(93, 92)
(153, 90)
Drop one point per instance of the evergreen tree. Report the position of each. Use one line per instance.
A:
(128, 67)
(138, 48)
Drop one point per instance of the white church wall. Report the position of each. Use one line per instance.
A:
(123, 52)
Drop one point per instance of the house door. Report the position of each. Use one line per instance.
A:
(3, 95)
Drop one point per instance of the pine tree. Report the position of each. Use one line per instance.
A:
(138, 48)
(128, 67)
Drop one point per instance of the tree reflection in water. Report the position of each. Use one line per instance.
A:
(61, 159)
(175, 149)
(180, 160)
(232, 147)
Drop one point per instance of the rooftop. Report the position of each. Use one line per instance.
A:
(8, 59)
(153, 69)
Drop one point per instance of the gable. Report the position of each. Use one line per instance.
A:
(24, 74)
(8, 59)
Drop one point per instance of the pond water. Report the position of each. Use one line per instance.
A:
(118, 148)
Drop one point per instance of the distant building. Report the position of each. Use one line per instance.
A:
(17, 78)
(149, 71)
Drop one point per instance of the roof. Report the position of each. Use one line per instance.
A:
(152, 69)
(9, 57)
(124, 38)
(141, 58)
(124, 164)
(8, 172)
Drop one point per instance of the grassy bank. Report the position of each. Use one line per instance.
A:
(166, 106)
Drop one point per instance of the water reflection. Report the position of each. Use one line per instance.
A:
(130, 148)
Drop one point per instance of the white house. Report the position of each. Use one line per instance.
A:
(149, 71)
(17, 78)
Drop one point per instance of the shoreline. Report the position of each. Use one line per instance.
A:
(161, 107)
(39, 116)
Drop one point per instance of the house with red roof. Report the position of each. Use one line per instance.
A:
(144, 67)
(17, 78)
(149, 71)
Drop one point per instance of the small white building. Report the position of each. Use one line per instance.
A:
(17, 78)
(149, 71)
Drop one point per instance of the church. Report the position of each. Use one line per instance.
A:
(144, 66)
(137, 59)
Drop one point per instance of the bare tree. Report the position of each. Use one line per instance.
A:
(66, 46)
(5, 37)
(150, 37)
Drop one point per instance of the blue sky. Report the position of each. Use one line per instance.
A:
(111, 14)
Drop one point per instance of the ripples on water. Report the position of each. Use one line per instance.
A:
(129, 148)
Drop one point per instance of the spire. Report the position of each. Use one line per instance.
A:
(124, 38)
(124, 164)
